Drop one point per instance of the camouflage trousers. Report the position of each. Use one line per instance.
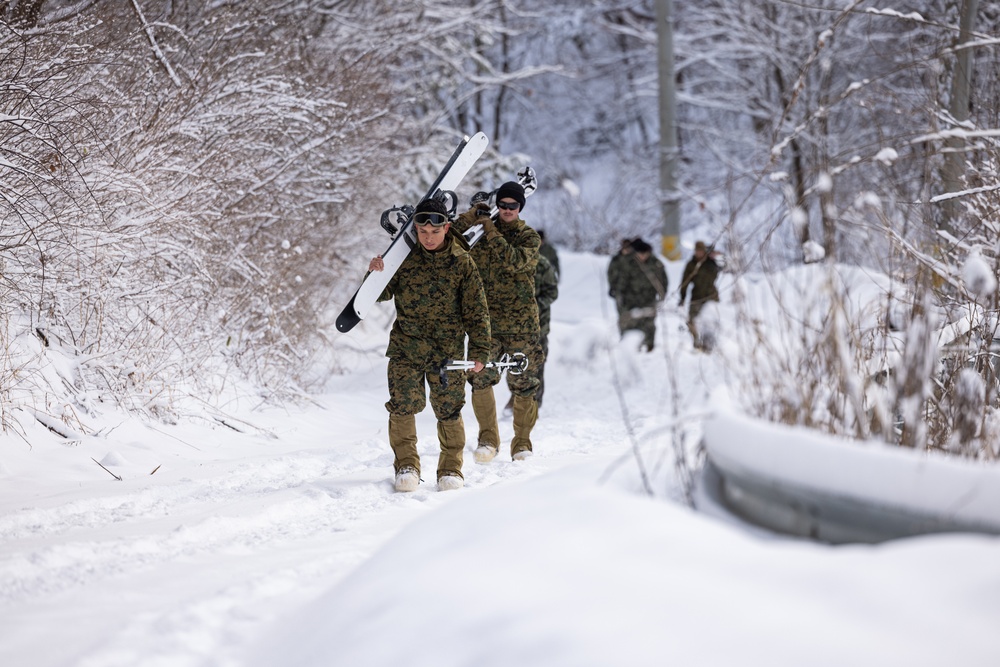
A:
(543, 342)
(647, 325)
(693, 311)
(524, 384)
(408, 385)
(407, 397)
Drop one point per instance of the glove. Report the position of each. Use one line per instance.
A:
(481, 197)
(489, 227)
(481, 209)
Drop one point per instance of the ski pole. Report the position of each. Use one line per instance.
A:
(515, 364)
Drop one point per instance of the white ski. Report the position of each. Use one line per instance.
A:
(470, 150)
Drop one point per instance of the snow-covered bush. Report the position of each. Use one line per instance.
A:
(176, 190)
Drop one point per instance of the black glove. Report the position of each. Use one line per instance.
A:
(481, 197)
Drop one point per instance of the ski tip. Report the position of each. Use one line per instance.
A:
(347, 321)
(348, 318)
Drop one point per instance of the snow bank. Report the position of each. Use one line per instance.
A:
(873, 490)
(563, 572)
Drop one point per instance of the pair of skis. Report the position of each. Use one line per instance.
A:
(404, 235)
(525, 178)
(470, 150)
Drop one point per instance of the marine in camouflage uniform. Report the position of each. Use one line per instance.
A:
(641, 284)
(506, 257)
(700, 274)
(547, 251)
(439, 298)
(546, 291)
(615, 275)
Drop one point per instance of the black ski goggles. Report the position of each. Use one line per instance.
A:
(508, 206)
(430, 218)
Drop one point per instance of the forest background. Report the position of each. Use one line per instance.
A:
(190, 191)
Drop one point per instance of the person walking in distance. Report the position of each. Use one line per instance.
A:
(439, 299)
(615, 276)
(506, 257)
(641, 286)
(700, 273)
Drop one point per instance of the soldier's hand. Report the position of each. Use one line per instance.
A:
(478, 366)
(488, 225)
(376, 264)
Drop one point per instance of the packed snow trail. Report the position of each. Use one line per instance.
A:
(211, 531)
(225, 548)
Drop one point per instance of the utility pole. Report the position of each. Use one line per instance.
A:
(669, 200)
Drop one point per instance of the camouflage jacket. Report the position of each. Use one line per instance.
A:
(549, 253)
(615, 267)
(439, 299)
(640, 285)
(701, 276)
(506, 261)
(546, 291)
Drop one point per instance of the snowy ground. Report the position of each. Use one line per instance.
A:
(283, 543)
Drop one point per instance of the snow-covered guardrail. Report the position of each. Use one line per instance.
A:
(800, 482)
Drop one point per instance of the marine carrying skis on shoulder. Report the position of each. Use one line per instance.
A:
(525, 178)
(470, 150)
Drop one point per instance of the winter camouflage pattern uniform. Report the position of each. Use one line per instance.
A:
(439, 298)
(638, 287)
(506, 257)
(546, 291)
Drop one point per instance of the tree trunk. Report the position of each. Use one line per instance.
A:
(954, 159)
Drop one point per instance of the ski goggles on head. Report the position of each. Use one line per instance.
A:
(508, 206)
(430, 218)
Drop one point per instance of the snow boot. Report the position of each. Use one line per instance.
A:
(407, 479)
(450, 483)
(525, 416)
(403, 440)
(485, 453)
(451, 435)
(484, 405)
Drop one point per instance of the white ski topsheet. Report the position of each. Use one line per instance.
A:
(400, 247)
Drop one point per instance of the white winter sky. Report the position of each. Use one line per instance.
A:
(284, 543)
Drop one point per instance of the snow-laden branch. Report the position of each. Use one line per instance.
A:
(156, 47)
(964, 193)
(956, 133)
